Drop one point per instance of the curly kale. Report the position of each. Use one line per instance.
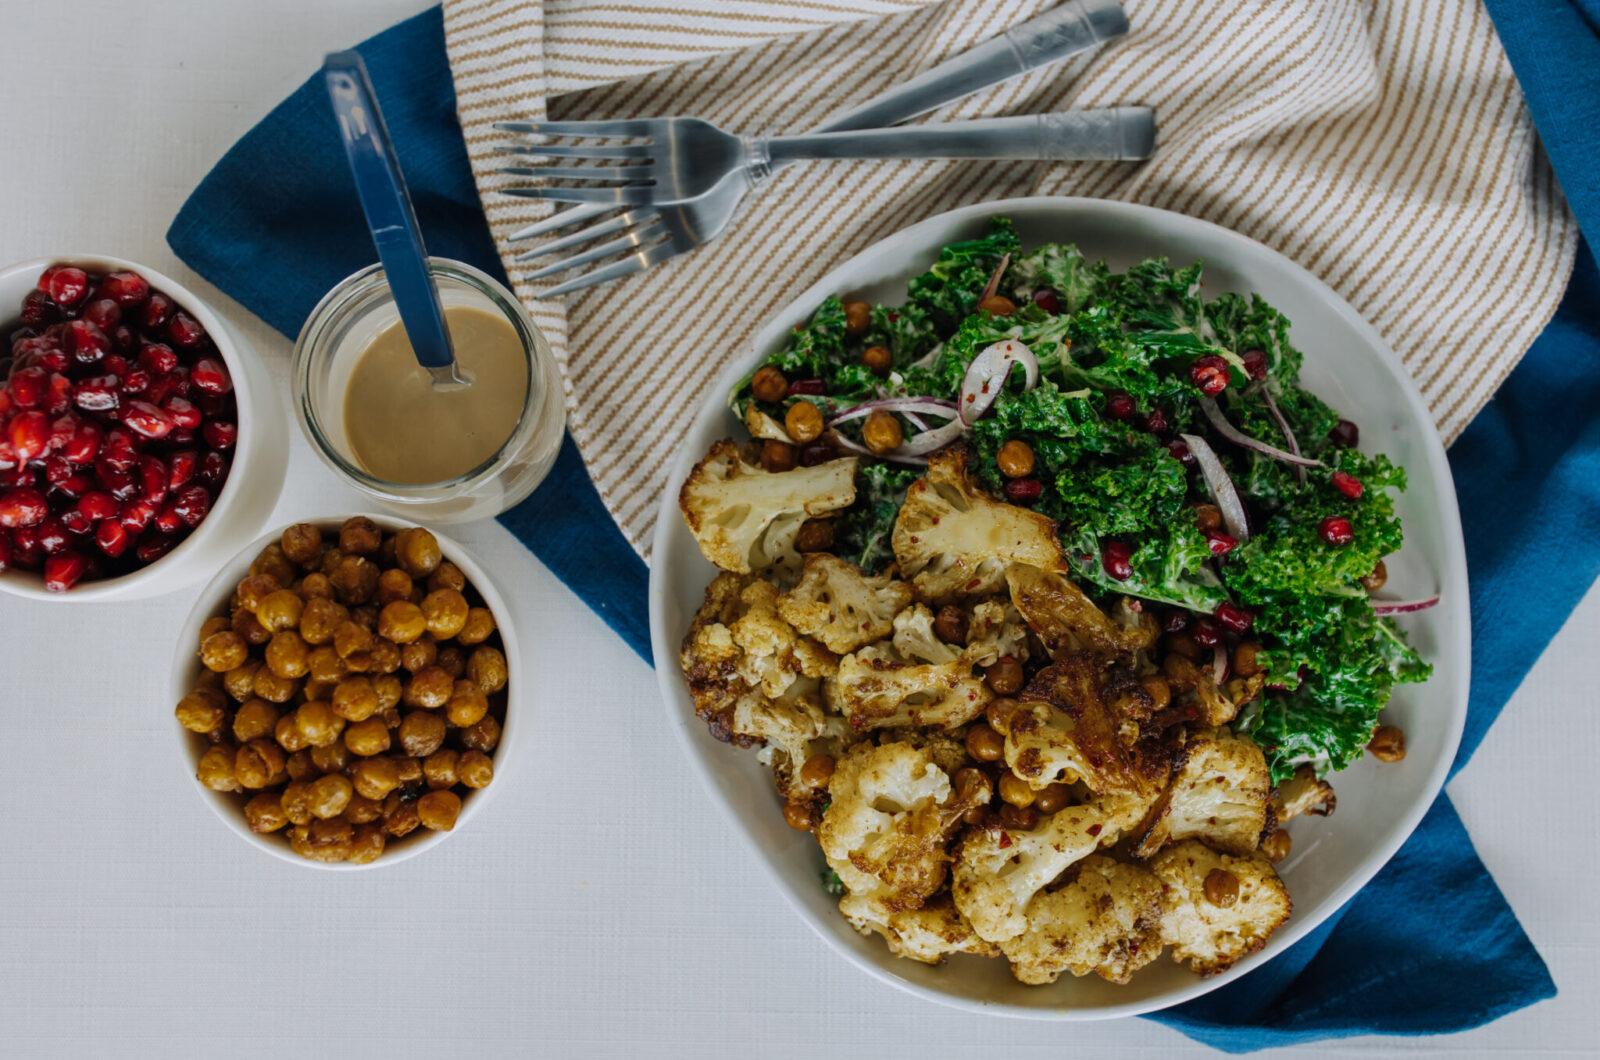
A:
(861, 534)
(949, 291)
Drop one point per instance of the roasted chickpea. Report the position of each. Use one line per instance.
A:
(478, 627)
(1005, 677)
(331, 558)
(1015, 790)
(399, 816)
(468, 704)
(388, 689)
(1051, 799)
(301, 543)
(1377, 579)
(296, 802)
(390, 717)
(359, 536)
(329, 840)
(366, 844)
(394, 584)
(328, 796)
(857, 318)
(445, 611)
(776, 456)
(439, 768)
(247, 626)
(815, 772)
(421, 733)
(429, 689)
(224, 651)
(363, 810)
(417, 552)
(799, 815)
(448, 576)
(882, 432)
(215, 770)
(1388, 743)
(376, 777)
(486, 668)
(1000, 712)
(877, 360)
(215, 624)
(974, 788)
(1244, 658)
(369, 737)
(320, 619)
(240, 682)
(300, 767)
(287, 655)
(355, 580)
(1182, 644)
(316, 586)
(950, 624)
(998, 305)
(1018, 818)
(1221, 888)
(384, 656)
(816, 535)
(326, 665)
(483, 736)
(202, 710)
(410, 767)
(1015, 459)
(438, 810)
(984, 744)
(401, 622)
(317, 723)
(1207, 517)
(253, 587)
(1277, 846)
(452, 660)
(803, 422)
(275, 565)
(280, 610)
(255, 719)
(420, 653)
(1160, 693)
(258, 764)
(769, 385)
(351, 637)
(264, 813)
(272, 688)
(331, 759)
(288, 734)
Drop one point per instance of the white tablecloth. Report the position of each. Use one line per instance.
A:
(600, 905)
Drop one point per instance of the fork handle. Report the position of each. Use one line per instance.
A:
(1112, 133)
(1071, 27)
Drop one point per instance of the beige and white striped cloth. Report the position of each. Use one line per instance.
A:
(1382, 144)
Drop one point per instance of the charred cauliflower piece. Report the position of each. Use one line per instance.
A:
(745, 518)
(1303, 793)
(1067, 620)
(996, 629)
(1206, 936)
(954, 540)
(793, 728)
(1106, 921)
(1219, 793)
(886, 830)
(842, 606)
(929, 934)
(998, 871)
(879, 688)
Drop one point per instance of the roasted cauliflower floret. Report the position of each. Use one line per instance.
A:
(793, 728)
(1218, 793)
(998, 871)
(1303, 793)
(1106, 921)
(842, 606)
(954, 540)
(886, 830)
(1067, 620)
(915, 639)
(745, 518)
(929, 934)
(1204, 935)
(996, 629)
(878, 688)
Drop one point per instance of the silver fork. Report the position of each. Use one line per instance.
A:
(649, 235)
(686, 158)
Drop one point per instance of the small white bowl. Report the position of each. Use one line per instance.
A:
(229, 808)
(260, 457)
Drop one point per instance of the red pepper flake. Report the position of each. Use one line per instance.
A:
(1005, 840)
(1093, 829)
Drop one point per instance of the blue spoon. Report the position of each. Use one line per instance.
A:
(389, 213)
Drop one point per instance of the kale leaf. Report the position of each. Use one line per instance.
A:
(949, 291)
(861, 534)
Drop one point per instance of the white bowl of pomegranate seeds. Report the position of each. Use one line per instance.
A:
(141, 438)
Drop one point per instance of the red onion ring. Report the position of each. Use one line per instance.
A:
(928, 441)
(926, 405)
(839, 441)
(1220, 486)
(994, 278)
(1219, 664)
(1402, 607)
(986, 376)
(1283, 425)
(1238, 437)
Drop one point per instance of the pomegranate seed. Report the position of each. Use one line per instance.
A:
(86, 341)
(25, 550)
(157, 311)
(1220, 543)
(153, 546)
(157, 357)
(154, 479)
(27, 386)
(116, 365)
(103, 313)
(98, 393)
(126, 288)
(1210, 374)
(5, 552)
(75, 522)
(136, 515)
(816, 453)
(1235, 617)
(180, 436)
(213, 406)
(71, 488)
(1047, 300)
(1180, 451)
(192, 505)
(209, 375)
(58, 394)
(18, 478)
(213, 469)
(1114, 557)
(1347, 484)
(184, 330)
(1023, 490)
(65, 285)
(29, 435)
(112, 537)
(799, 386)
(1255, 363)
(120, 484)
(1336, 530)
(183, 465)
(38, 311)
(1345, 434)
(98, 506)
(219, 434)
(136, 381)
(1120, 406)
(1155, 421)
(183, 413)
(85, 444)
(22, 506)
(118, 452)
(167, 519)
(1175, 620)
(1206, 632)
(146, 418)
(56, 470)
(62, 571)
(122, 338)
(52, 537)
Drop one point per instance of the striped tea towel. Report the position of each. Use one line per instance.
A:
(1382, 144)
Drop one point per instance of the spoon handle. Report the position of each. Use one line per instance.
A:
(384, 200)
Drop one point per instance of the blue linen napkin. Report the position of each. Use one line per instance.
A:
(276, 224)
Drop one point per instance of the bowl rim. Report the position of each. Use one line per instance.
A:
(227, 341)
(1451, 572)
(186, 668)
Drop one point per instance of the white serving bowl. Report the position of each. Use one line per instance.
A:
(260, 456)
(229, 808)
(1346, 363)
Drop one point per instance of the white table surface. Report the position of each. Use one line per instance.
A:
(599, 905)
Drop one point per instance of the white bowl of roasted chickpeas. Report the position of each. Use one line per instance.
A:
(342, 691)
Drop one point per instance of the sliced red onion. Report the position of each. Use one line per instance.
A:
(926, 405)
(1238, 437)
(1283, 425)
(987, 375)
(1220, 486)
(1402, 607)
(916, 421)
(994, 278)
(928, 441)
(1219, 664)
(839, 441)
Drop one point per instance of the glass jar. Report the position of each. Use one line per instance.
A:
(343, 326)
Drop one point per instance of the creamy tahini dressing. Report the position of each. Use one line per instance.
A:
(402, 429)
